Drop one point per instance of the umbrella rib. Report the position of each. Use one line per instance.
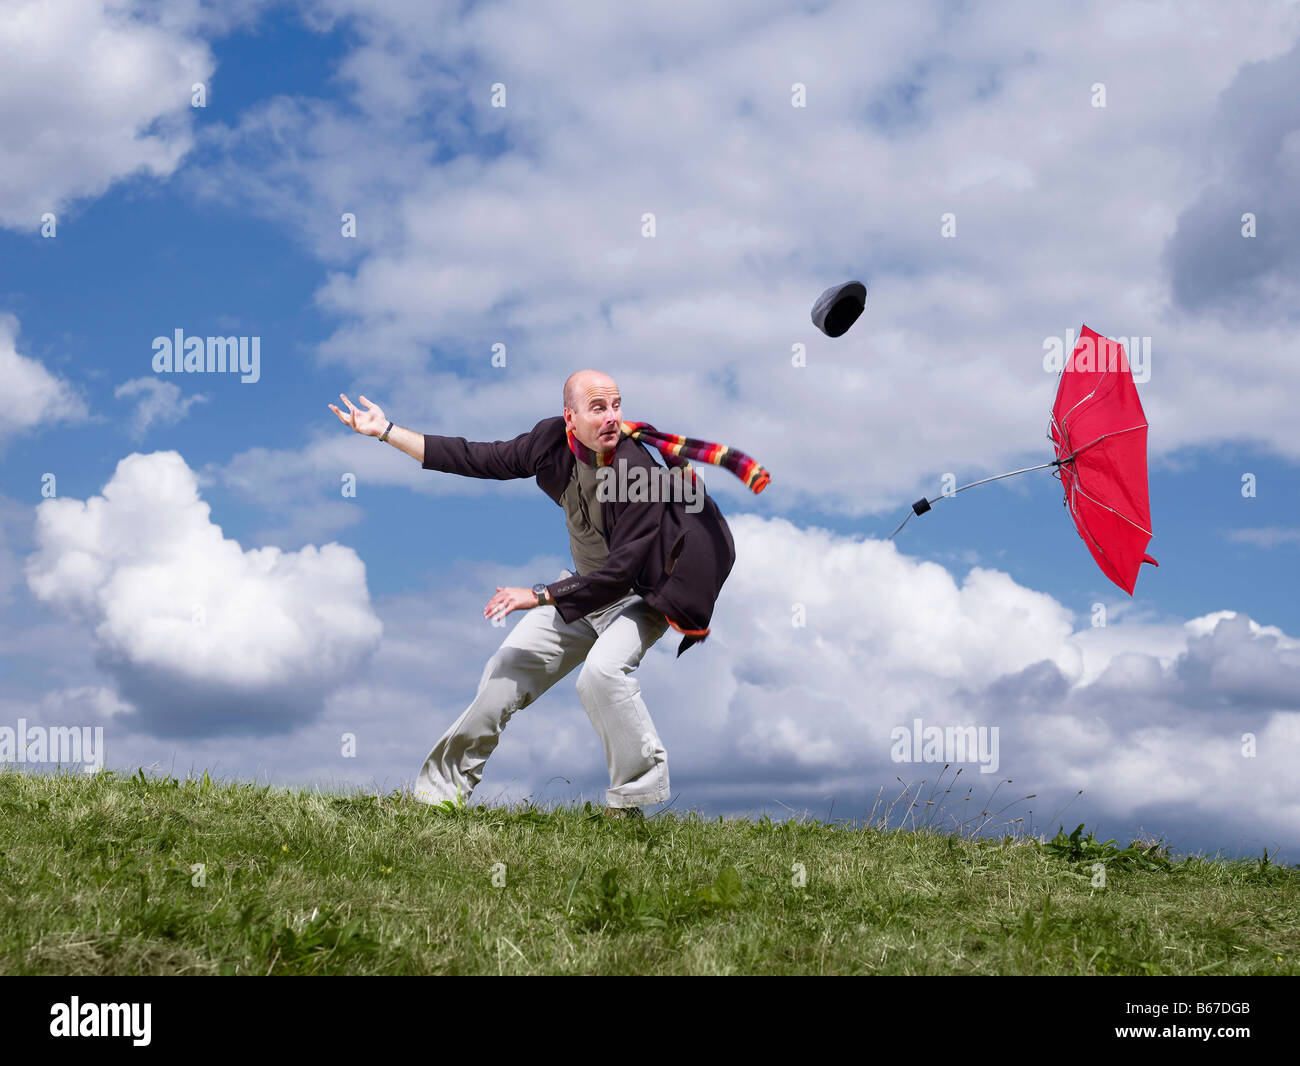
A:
(1077, 405)
(1082, 528)
(1112, 433)
(1110, 509)
(1106, 380)
(1078, 488)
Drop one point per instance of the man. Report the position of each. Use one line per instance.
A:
(640, 566)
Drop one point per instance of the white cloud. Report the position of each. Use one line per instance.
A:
(33, 396)
(90, 703)
(1146, 718)
(200, 635)
(159, 402)
(89, 94)
(1137, 714)
(759, 206)
(1266, 536)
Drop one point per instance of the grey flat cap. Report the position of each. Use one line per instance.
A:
(839, 307)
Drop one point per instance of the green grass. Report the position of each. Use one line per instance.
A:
(96, 877)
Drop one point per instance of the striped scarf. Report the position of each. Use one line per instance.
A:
(675, 450)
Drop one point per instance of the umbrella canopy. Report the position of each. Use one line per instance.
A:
(1100, 434)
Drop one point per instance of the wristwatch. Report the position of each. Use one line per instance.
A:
(539, 590)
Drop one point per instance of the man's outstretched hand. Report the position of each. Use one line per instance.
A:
(371, 421)
(507, 600)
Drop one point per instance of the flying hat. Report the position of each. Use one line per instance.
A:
(839, 307)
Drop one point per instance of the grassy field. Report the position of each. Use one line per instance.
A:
(101, 875)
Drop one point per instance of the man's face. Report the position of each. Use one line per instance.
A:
(596, 419)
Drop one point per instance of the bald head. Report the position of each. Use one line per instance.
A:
(593, 409)
(575, 386)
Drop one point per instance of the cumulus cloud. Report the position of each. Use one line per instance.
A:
(1149, 719)
(529, 230)
(159, 402)
(80, 703)
(89, 94)
(1255, 133)
(1136, 714)
(200, 636)
(33, 396)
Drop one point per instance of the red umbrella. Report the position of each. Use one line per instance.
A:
(1100, 434)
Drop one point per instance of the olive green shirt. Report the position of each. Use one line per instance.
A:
(583, 517)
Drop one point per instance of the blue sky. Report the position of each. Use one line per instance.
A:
(522, 225)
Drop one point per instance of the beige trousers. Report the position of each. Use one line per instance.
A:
(538, 651)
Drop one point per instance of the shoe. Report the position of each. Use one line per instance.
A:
(633, 813)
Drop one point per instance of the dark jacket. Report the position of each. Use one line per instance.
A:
(676, 561)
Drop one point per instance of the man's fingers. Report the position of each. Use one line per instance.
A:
(351, 420)
(499, 605)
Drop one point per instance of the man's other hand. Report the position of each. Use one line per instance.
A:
(371, 421)
(507, 600)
